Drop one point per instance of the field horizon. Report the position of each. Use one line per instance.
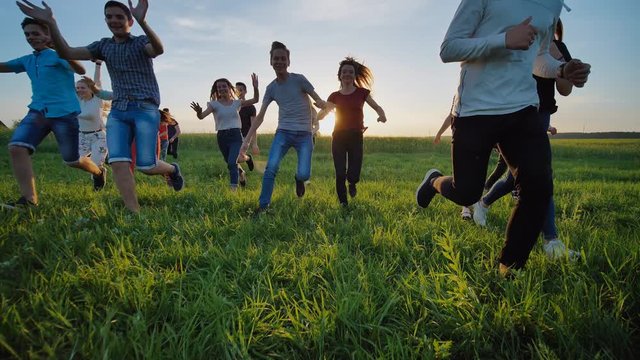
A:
(196, 275)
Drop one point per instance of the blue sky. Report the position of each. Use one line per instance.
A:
(399, 40)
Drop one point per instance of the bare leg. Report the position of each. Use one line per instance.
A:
(161, 168)
(23, 171)
(84, 163)
(126, 184)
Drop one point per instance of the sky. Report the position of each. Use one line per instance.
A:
(398, 40)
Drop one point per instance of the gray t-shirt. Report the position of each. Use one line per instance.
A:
(294, 111)
(226, 116)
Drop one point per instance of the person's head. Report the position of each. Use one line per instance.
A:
(279, 57)
(351, 71)
(222, 89)
(83, 89)
(36, 33)
(559, 30)
(241, 89)
(118, 18)
(166, 117)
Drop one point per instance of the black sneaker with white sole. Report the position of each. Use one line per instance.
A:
(100, 180)
(175, 178)
(426, 191)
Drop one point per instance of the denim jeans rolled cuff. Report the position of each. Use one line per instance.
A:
(229, 143)
(140, 121)
(302, 142)
(36, 126)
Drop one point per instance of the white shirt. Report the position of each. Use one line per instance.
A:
(226, 116)
(493, 79)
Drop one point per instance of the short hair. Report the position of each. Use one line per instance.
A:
(125, 8)
(277, 45)
(240, 83)
(32, 21)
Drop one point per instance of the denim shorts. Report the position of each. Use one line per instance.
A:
(36, 126)
(140, 121)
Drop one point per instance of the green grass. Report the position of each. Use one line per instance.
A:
(196, 276)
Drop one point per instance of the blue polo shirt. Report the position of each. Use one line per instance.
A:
(52, 83)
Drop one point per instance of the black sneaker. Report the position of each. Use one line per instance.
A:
(250, 162)
(353, 191)
(100, 180)
(300, 188)
(260, 210)
(242, 177)
(426, 192)
(21, 204)
(175, 178)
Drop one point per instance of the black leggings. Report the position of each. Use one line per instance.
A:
(501, 168)
(525, 147)
(347, 149)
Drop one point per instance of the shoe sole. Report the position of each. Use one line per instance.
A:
(179, 172)
(427, 177)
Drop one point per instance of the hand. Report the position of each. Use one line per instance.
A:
(521, 36)
(382, 119)
(242, 156)
(196, 107)
(552, 130)
(577, 72)
(255, 150)
(139, 12)
(320, 104)
(44, 14)
(254, 80)
(436, 140)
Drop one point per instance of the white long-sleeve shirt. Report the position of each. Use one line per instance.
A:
(493, 79)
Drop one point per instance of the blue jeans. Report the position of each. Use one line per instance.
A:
(140, 121)
(229, 143)
(282, 141)
(505, 185)
(36, 126)
(164, 145)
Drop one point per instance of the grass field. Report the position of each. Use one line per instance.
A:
(195, 276)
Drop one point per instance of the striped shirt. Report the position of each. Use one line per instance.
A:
(130, 69)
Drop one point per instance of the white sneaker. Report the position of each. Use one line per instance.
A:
(555, 249)
(480, 214)
(465, 213)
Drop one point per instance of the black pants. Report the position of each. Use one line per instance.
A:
(173, 148)
(525, 147)
(501, 168)
(347, 149)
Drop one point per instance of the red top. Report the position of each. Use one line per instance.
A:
(349, 115)
(163, 131)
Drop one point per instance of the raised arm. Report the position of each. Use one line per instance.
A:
(256, 92)
(198, 109)
(374, 105)
(154, 47)
(45, 14)
(77, 67)
(97, 76)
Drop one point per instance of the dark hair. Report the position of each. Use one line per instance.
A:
(277, 45)
(165, 109)
(214, 89)
(125, 8)
(32, 21)
(559, 30)
(363, 75)
(240, 83)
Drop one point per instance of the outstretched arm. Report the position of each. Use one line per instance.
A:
(374, 105)
(319, 103)
(45, 14)
(4, 68)
(256, 92)
(198, 109)
(154, 47)
(329, 106)
(252, 132)
(77, 67)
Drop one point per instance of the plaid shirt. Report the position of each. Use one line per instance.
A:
(130, 69)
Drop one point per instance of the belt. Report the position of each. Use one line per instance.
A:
(91, 132)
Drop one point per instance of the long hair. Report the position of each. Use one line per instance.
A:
(363, 75)
(214, 89)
